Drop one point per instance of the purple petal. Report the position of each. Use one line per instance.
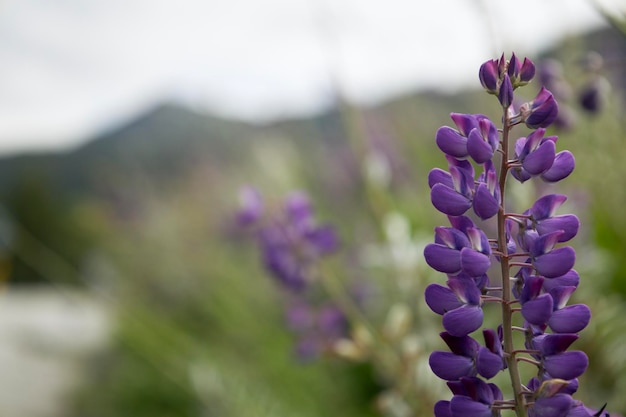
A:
(541, 159)
(520, 147)
(544, 110)
(465, 122)
(461, 223)
(552, 344)
(527, 72)
(555, 406)
(462, 406)
(546, 206)
(569, 223)
(520, 174)
(451, 142)
(451, 237)
(570, 319)
(439, 176)
(298, 208)
(474, 263)
(462, 179)
(539, 310)
(478, 148)
(463, 320)
(514, 67)
(464, 346)
(442, 258)
(563, 165)
(533, 141)
(554, 263)
(448, 366)
(442, 409)
(479, 240)
(441, 299)
(531, 289)
(449, 201)
(488, 75)
(488, 363)
(541, 244)
(323, 238)
(465, 290)
(571, 278)
(457, 387)
(561, 296)
(566, 365)
(580, 411)
(505, 95)
(485, 204)
(492, 342)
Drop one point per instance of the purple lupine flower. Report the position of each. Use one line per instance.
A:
(543, 219)
(542, 285)
(535, 153)
(555, 360)
(505, 94)
(445, 254)
(563, 165)
(520, 72)
(475, 258)
(467, 357)
(486, 201)
(482, 141)
(541, 111)
(459, 303)
(567, 319)
(292, 244)
(489, 76)
(454, 142)
(536, 307)
(548, 262)
(451, 193)
(462, 248)
(472, 398)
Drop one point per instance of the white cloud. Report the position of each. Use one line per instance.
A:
(72, 66)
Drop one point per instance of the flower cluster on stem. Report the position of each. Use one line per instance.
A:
(292, 244)
(535, 264)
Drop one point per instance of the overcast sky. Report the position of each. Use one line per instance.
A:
(72, 67)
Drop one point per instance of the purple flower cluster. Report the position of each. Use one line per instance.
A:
(536, 268)
(291, 244)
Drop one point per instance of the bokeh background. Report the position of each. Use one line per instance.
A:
(127, 129)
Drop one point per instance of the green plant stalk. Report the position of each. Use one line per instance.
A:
(507, 313)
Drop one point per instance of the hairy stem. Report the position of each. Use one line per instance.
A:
(507, 311)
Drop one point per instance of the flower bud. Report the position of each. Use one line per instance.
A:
(541, 111)
(488, 75)
(527, 72)
(520, 73)
(505, 95)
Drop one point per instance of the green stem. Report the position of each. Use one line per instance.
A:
(507, 311)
